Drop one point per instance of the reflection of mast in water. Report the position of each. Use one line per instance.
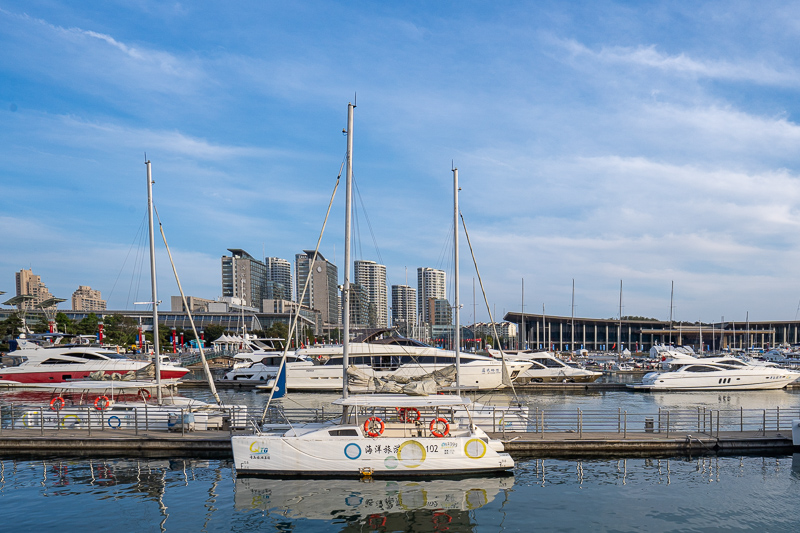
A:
(212, 495)
(161, 507)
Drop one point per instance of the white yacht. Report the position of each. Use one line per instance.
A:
(69, 362)
(546, 368)
(320, 367)
(716, 373)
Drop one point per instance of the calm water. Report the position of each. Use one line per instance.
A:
(700, 494)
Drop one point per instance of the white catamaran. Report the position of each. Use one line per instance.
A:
(380, 435)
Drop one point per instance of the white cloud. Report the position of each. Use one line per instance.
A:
(650, 57)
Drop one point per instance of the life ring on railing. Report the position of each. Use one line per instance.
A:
(144, 393)
(101, 403)
(374, 426)
(408, 414)
(57, 403)
(434, 424)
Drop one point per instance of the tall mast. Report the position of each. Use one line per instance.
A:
(522, 343)
(346, 285)
(619, 335)
(572, 319)
(545, 344)
(156, 347)
(671, 294)
(457, 336)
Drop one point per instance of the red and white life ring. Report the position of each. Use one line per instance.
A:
(374, 426)
(408, 414)
(101, 403)
(435, 423)
(57, 403)
(144, 393)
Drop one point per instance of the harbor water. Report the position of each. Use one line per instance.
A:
(654, 495)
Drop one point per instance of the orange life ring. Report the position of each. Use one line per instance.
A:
(57, 403)
(144, 393)
(408, 414)
(434, 431)
(374, 426)
(101, 403)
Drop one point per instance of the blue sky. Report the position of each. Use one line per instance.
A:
(596, 141)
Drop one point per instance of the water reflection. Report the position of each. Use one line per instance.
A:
(433, 505)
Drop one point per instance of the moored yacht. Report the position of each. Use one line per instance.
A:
(546, 368)
(717, 373)
(69, 362)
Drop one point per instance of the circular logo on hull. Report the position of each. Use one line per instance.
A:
(475, 448)
(411, 454)
(352, 451)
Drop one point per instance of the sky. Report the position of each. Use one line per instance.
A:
(648, 143)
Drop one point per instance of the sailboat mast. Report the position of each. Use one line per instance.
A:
(156, 347)
(572, 320)
(457, 333)
(522, 343)
(671, 294)
(619, 334)
(346, 285)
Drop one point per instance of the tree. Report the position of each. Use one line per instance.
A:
(88, 326)
(9, 329)
(64, 324)
(213, 332)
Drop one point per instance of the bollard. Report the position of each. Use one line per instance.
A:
(764, 423)
(183, 424)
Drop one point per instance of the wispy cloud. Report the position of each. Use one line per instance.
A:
(683, 64)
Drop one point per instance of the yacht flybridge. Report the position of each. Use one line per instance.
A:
(379, 435)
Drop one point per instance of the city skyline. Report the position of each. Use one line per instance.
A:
(595, 141)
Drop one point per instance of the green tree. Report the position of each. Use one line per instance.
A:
(88, 326)
(213, 332)
(65, 325)
(9, 329)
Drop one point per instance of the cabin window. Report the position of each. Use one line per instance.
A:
(343, 433)
(60, 362)
(701, 368)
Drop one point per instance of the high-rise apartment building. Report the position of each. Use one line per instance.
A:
(87, 299)
(404, 308)
(372, 277)
(279, 279)
(243, 277)
(430, 284)
(323, 289)
(29, 284)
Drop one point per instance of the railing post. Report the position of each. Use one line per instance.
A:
(741, 419)
(659, 420)
(625, 426)
(12, 416)
(619, 419)
(494, 421)
(580, 423)
(89, 420)
(41, 417)
(764, 423)
(718, 413)
(135, 421)
(698, 419)
(667, 423)
(542, 423)
(778, 418)
(183, 425)
(146, 419)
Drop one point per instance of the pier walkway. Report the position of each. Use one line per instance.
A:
(551, 444)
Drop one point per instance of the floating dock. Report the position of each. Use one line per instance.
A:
(547, 445)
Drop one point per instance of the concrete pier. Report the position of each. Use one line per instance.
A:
(550, 445)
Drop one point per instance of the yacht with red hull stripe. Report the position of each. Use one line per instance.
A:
(60, 363)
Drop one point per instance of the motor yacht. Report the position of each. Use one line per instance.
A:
(68, 362)
(716, 373)
(546, 368)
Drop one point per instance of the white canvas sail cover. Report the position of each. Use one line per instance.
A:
(412, 385)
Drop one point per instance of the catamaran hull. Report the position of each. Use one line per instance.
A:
(358, 456)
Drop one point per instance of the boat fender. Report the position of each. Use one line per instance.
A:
(101, 403)
(408, 414)
(374, 426)
(144, 393)
(435, 423)
(57, 403)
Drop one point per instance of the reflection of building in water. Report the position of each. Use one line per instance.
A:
(436, 505)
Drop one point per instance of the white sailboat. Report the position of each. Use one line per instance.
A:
(386, 435)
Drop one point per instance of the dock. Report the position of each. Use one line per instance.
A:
(541, 445)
